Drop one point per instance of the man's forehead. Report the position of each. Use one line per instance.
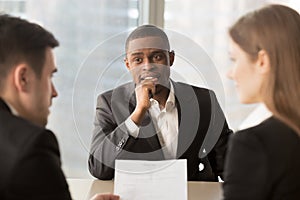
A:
(50, 62)
(147, 43)
(145, 51)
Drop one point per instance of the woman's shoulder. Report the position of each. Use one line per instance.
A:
(270, 133)
(270, 126)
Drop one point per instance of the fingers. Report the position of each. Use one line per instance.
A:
(148, 85)
(144, 91)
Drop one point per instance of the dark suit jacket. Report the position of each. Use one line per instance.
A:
(30, 161)
(199, 115)
(263, 163)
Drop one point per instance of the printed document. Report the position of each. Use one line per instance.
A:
(148, 180)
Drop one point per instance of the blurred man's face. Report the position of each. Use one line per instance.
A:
(148, 58)
(41, 92)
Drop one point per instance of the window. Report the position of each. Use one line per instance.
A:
(84, 29)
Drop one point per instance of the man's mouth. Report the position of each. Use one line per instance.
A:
(148, 77)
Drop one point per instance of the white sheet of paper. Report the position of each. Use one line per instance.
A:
(148, 180)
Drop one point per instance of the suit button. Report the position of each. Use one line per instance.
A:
(201, 167)
(118, 148)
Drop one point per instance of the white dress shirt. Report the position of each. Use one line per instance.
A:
(165, 121)
(12, 109)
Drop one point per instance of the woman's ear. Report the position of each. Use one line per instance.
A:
(21, 77)
(263, 62)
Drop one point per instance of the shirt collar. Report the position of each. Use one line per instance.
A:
(170, 103)
(12, 109)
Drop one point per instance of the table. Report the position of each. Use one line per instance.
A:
(83, 189)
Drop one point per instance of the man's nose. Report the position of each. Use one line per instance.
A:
(54, 92)
(148, 64)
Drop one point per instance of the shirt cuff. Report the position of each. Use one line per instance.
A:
(132, 128)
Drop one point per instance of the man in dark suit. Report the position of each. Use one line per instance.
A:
(30, 159)
(155, 118)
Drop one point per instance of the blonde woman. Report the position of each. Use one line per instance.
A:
(264, 161)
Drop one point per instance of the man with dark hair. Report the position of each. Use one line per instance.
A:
(30, 159)
(156, 118)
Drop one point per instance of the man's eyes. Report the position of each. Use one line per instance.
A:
(154, 58)
(137, 60)
(157, 57)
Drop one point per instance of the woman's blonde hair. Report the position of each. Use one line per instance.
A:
(275, 29)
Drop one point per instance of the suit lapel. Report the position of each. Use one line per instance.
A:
(188, 116)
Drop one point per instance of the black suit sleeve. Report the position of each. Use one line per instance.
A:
(218, 131)
(37, 174)
(108, 140)
(218, 154)
(111, 139)
(245, 168)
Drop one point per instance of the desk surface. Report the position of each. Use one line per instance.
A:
(83, 189)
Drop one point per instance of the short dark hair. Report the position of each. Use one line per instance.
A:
(147, 31)
(22, 41)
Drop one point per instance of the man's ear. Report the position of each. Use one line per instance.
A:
(171, 57)
(263, 62)
(127, 63)
(21, 77)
